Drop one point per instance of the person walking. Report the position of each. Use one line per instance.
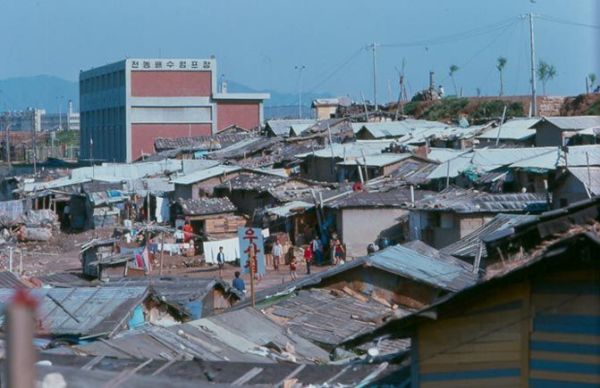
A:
(293, 266)
(317, 249)
(221, 261)
(238, 283)
(277, 254)
(308, 257)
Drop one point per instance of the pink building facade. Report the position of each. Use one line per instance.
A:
(126, 105)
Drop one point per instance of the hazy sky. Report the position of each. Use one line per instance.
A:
(258, 42)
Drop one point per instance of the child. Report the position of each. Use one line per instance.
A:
(308, 258)
(293, 266)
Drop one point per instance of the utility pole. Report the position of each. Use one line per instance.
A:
(92, 156)
(34, 149)
(300, 69)
(373, 47)
(532, 43)
(7, 139)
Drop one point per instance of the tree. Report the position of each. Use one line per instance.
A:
(545, 73)
(592, 78)
(500, 66)
(453, 69)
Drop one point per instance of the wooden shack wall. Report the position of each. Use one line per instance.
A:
(565, 342)
(392, 288)
(543, 332)
(481, 345)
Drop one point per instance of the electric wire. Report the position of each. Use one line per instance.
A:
(567, 22)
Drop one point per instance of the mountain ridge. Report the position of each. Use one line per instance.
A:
(48, 92)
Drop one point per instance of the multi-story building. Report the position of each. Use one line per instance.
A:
(126, 105)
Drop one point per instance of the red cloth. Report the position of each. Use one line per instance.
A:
(308, 254)
(188, 231)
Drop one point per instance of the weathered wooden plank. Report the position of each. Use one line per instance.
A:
(566, 338)
(475, 347)
(508, 382)
(568, 357)
(569, 304)
(469, 366)
(565, 377)
(473, 357)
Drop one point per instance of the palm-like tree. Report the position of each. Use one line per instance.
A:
(500, 66)
(545, 73)
(592, 78)
(453, 69)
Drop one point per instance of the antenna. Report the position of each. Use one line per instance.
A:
(373, 46)
(402, 95)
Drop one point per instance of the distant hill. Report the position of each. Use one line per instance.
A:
(41, 91)
(44, 91)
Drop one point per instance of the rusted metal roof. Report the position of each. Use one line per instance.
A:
(472, 201)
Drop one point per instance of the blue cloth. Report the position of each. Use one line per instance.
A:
(238, 284)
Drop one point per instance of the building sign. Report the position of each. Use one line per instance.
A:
(170, 64)
(252, 250)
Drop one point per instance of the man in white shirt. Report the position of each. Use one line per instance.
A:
(277, 254)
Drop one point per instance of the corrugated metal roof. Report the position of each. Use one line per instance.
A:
(327, 317)
(515, 129)
(202, 175)
(484, 160)
(350, 150)
(452, 167)
(468, 246)
(206, 206)
(260, 182)
(290, 208)
(391, 129)
(573, 122)
(472, 201)
(244, 335)
(282, 127)
(154, 373)
(443, 154)
(592, 131)
(398, 197)
(576, 157)
(84, 312)
(10, 280)
(377, 160)
(411, 264)
(585, 176)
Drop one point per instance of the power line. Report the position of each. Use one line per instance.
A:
(336, 70)
(494, 39)
(457, 36)
(567, 22)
